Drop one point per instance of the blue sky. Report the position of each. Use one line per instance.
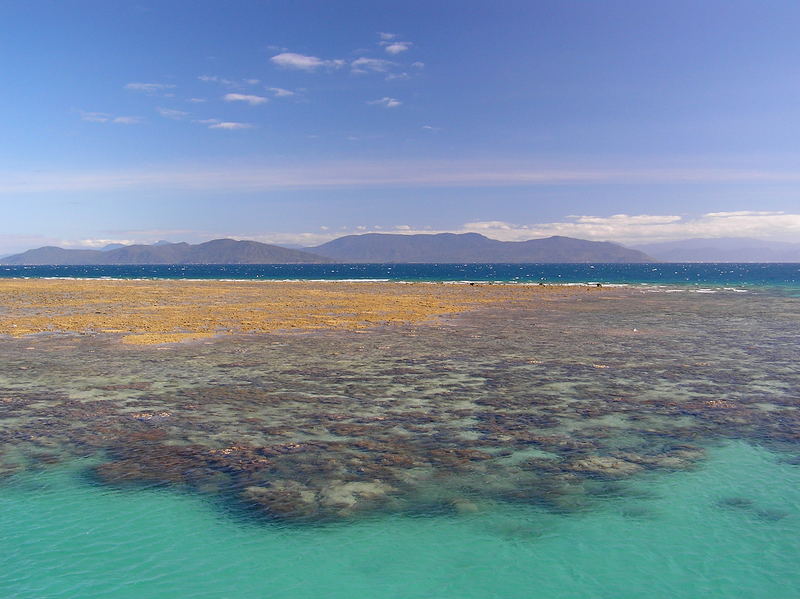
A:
(296, 122)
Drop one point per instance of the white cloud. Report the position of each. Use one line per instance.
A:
(302, 62)
(386, 102)
(197, 100)
(170, 113)
(387, 36)
(95, 117)
(104, 117)
(418, 65)
(649, 228)
(394, 76)
(395, 48)
(148, 88)
(621, 228)
(230, 126)
(96, 243)
(279, 92)
(226, 125)
(420, 174)
(430, 128)
(365, 65)
(250, 99)
(128, 120)
(229, 82)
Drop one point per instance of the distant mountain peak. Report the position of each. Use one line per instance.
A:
(366, 248)
(218, 251)
(471, 248)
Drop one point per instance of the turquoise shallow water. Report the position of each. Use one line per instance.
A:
(619, 444)
(729, 529)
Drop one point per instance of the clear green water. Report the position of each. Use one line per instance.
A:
(729, 529)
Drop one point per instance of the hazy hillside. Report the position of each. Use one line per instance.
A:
(471, 247)
(723, 250)
(219, 251)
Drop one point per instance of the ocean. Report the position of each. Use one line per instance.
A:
(643, 442)
(722, 274)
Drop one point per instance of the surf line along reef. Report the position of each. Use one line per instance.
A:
(418, 398)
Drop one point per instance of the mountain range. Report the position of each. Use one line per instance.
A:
(367, 248)
(219, 251)
(471, 248)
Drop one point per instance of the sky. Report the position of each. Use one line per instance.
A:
(296, 122)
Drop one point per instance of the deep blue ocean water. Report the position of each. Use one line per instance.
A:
(720, 274)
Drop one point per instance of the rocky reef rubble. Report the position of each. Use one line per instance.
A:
(504, 406)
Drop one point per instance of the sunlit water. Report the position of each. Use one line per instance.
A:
(621, 444)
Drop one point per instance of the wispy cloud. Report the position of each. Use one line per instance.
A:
(219, 124)
(213, 79)
(386, 36)
(621, 228)
(386, 102)
(149, 88)
(104, 117)
(648, 228)
(365, 65)
(231, 126)
(303, 62)
(95, 117)
(233, 83)
(95, 243)
(394, 48)
(247, 98)
(279, 92)
(128, 120)
(171, 113)
(366, 174)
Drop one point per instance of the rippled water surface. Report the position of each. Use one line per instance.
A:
(686, 274)
(622, 444)
(728, 529)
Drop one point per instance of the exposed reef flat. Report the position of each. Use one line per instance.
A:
(554, 401)
(154, 312)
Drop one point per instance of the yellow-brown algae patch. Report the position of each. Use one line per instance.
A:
(153, 312)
